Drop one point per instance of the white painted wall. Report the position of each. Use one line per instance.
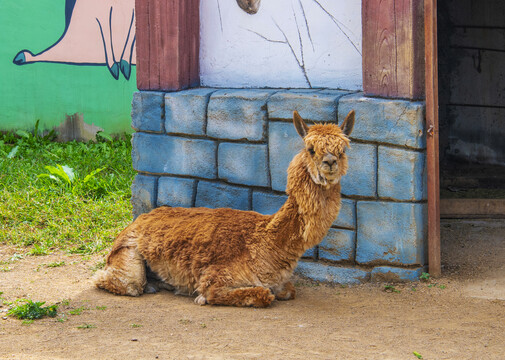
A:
(279, 46)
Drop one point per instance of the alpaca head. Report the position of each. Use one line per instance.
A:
(325, 145)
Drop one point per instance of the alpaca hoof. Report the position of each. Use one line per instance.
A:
(151, 289)
(114, 70)
(125, 68)
(200, 300)
(20, 58)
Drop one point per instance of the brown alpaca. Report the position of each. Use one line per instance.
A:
(233, 257)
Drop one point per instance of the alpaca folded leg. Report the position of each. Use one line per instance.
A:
(124, 274)
(286, 291)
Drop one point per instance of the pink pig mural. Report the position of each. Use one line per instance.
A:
(97, 32)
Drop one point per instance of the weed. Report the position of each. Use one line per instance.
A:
(390, 288)
(185, 321)
(101, 307)
(27, 322)
(86, 326)
(424, 276)
(417, 355)
(16, 257)
(77, 311)
(413, 288)
(203, 325)
(38, 250)
(33, 310)
(136, 325)
(56, 264)
(65, 302)
(442, 287)
(5, 269)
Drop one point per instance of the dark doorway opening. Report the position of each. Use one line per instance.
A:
(471, 52)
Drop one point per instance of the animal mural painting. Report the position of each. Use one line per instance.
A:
(97, 32)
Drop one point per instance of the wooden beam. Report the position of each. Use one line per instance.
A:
(168, 35)
(432, 135)
(393, 40)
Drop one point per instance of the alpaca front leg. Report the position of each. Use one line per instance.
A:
(256, 296)
(218, 286)
(124, 274)
(285, 291)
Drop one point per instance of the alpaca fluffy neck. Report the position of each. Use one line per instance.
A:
(305, 218)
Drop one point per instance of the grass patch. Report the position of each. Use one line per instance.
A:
(32, 310)
(71, 196)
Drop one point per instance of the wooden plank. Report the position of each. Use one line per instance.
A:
(154, 44)
(169, 51)
(184, 43)
(476, 77)
(142, 43)
(476, 12)
(194, 47)
(472, 208)
(167, 44)
(432, 141)
(393, 39)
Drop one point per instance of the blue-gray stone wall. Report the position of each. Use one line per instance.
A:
(232, 147)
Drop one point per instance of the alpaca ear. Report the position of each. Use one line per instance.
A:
(348, 123)
(300, 125)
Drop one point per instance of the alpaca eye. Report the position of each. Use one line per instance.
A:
(311, 151)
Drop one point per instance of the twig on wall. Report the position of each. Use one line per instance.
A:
(339, 25)
(306, 24)
(301, 63)
(220, 17)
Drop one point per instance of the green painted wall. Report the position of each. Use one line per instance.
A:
(49, 91)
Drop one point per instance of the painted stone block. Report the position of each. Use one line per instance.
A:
(161, 154)
(144, 189)
(398, 122)
(147, 111)
(338, 245)
(310, 253)
(267, 203)
(333, 274)
(186, 111)
(245, 164)
(284, 143)
(312, 105)
(395, 274)
(347, 216)
(218, 195)
(236, 114)
(176, 192)
(401, 174)
(391, 232)
(361, 177)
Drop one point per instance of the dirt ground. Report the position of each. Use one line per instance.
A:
(458, 316)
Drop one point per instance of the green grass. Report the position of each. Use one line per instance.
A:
(45, 213)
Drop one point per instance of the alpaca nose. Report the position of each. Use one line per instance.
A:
(330, 160)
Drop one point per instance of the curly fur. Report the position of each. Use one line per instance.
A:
(233, 257)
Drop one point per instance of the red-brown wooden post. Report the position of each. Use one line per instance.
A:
(168, 41)
(432, 143)
(393, 48)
